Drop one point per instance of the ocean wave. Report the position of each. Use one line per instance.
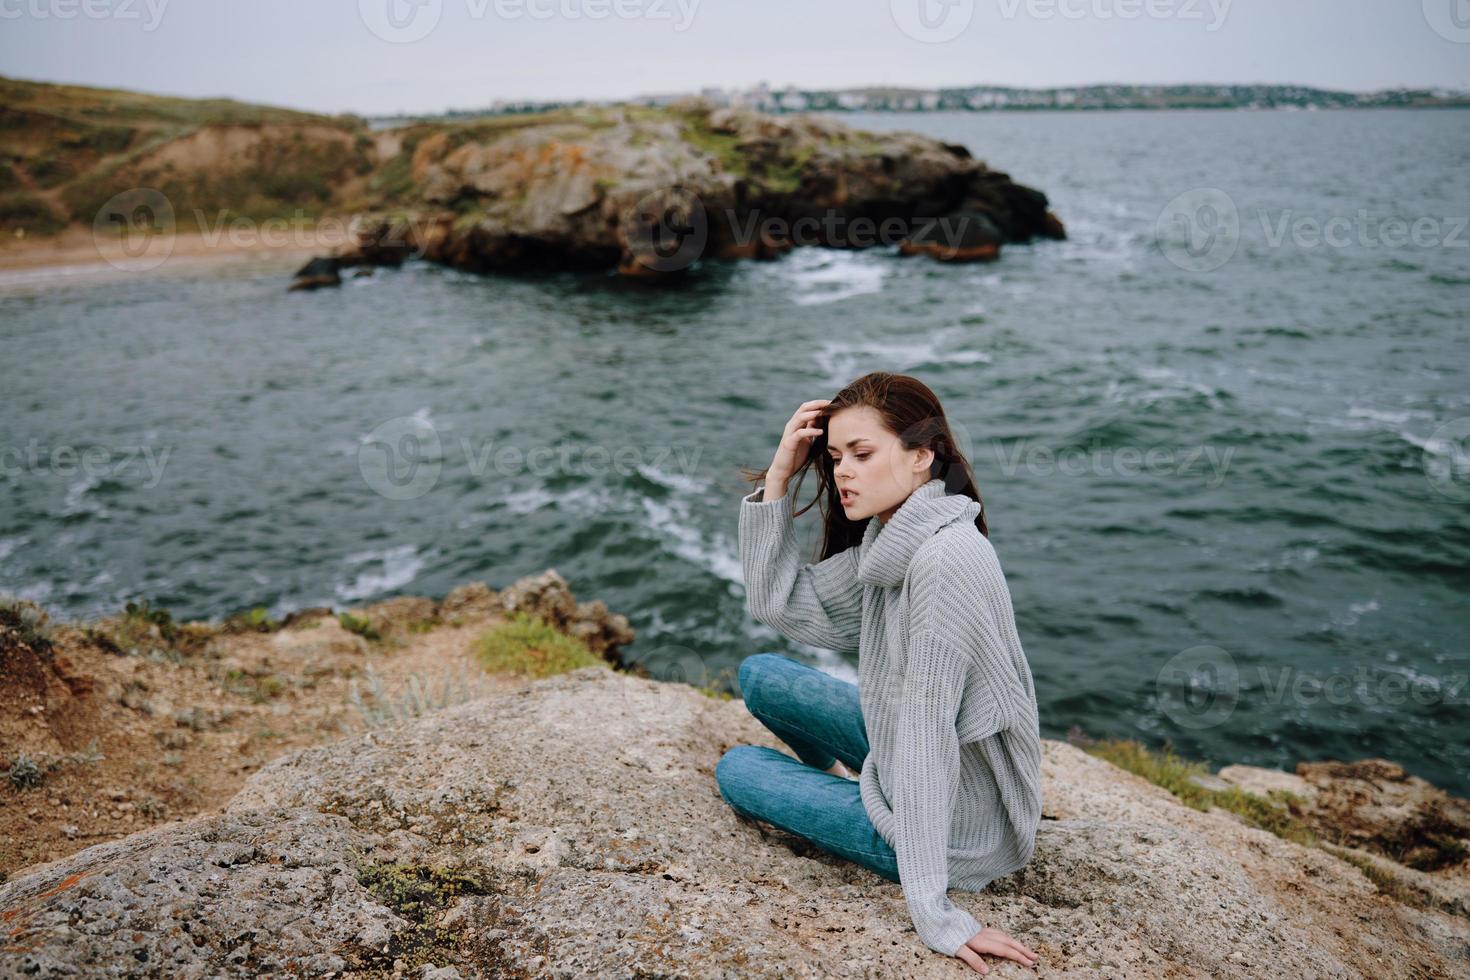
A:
(1149, 384)
(1250, 597)
(819, 275)
(396, 568)
(78, 501)
(841, 361)
(670, 520)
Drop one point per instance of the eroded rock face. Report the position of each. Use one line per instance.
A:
(574, 828)
(649, 192)
(1373, 804)
(548, 596)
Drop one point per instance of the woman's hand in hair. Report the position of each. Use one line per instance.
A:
(796, 444)
(991, 940)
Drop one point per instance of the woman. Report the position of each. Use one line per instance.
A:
(942, 724)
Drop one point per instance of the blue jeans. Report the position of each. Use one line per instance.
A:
(820, 718)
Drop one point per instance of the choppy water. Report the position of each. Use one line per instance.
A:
(1295, 508)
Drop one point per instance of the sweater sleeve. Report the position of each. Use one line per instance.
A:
(926, 782)
(820, 604)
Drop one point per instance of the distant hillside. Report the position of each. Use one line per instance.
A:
(65, 150)
(597, 188)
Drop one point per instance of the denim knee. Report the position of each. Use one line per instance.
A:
(728, 770)
(748, 669)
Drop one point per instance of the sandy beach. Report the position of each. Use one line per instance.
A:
(76, 254)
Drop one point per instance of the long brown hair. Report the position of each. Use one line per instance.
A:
(910, 410)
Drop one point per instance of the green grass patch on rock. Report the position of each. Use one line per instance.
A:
(1179, 776)
(528, 645)
(362, 627)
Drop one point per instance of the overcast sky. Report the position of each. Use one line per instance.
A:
(381, 56)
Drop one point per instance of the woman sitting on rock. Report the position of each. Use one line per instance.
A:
(942, 724)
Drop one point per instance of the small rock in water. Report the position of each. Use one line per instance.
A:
(317, 273)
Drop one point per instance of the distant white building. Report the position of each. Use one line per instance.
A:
(1066, 97)
(757, 97)
(929, 101)
(852, 100)
(793, 101)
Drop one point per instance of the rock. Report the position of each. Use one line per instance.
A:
(1375, 804)
(327, 649)
(1263, 782)
(650, 192)
(1205, 781)
(300, 616)
(399, 613)
(572, 827)
(1447, 890)
(548, 597)
(471, 600)
(965, 236)
(317, 273)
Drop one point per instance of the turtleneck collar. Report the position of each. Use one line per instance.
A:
(887, 548)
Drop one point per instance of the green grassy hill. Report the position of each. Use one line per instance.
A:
(65, 150)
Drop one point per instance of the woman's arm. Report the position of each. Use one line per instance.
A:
(820, 604)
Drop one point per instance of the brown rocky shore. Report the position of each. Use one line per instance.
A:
(649, 192)
(641, 191)
(306, 798)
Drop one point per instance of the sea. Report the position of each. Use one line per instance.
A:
(1220, 430)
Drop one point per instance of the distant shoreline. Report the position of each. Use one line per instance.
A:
(384, 123)
(74, 254)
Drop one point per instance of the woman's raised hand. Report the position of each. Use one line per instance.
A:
(796, 443)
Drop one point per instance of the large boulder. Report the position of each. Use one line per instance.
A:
(573, 827)
(650, 192)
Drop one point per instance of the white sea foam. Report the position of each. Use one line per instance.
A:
(1387, 417)
(388, 569)
(673, 521)
(1156, 383)
(820, 275)
(526, 501)
(1290, 558)
(1096, 243)
(77, 501)
(682, 482)
(840, 362)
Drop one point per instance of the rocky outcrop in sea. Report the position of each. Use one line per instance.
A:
(649, 192)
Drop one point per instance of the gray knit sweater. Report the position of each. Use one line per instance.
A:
(952, 780)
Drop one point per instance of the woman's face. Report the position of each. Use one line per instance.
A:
(873, 471)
